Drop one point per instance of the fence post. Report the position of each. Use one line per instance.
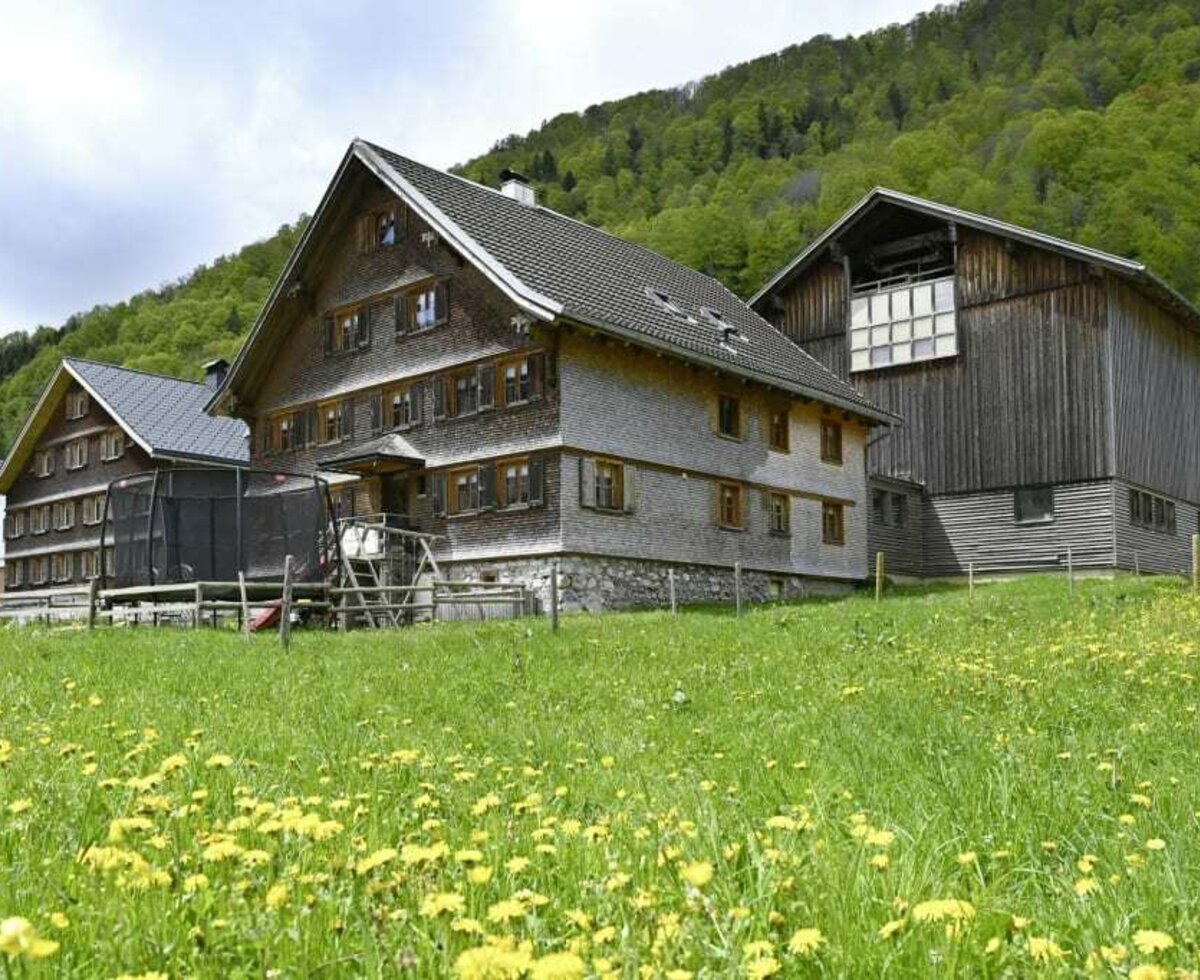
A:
(879, 571)
(737, 589)
(970, 583)
(1195, 563)
(93, 595)
(285, 604)
(199, 602)
(245, 611)
(554, 595)
(671, 587)
(1070, 574)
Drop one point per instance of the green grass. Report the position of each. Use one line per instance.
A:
(997, 746)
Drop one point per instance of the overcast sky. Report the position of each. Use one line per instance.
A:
(138, 140)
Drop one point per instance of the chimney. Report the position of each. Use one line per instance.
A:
(214, 373)
(516, 186)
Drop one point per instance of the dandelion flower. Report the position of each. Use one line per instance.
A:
(766, 966)
(880, 862)
(943, 909)
(442, 903)
(697, 874)
(277, 896)
(1044, 950)
(506, 910)
(805, 942)
(1086, 886)
(490, 963)
(375, 860)
(19, 938)
(890, 928)
(1155, 844)
(1151, 941)
(218, 761)
(557, 966)
(1148, 971)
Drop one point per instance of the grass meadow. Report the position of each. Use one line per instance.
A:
(916, 788)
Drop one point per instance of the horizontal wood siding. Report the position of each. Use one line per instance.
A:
(1149, 550)
(903, 547)
(982, 528)
(1156, 396)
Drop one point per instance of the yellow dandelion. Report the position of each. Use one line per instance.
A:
(442, 903)
(1044, 950)
(943, 909)
(557, 966)
(1148, 971)
(890, 928)
(1086, 886)
(1156, 844)
(375, 860)
(766, 966)
(697, 874)
(218, 761)
(19, 938)
(277, 896)
(1151, 941)
(506, 910)
(805, 942)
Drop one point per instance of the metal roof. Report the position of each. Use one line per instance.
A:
(558, 269)
(1129, 268)
(165, 416)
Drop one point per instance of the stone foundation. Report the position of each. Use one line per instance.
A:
(593, 583)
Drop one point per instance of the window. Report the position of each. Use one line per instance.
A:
(76, 405)
(729, 505)
(889, 509)
(14, 524)
(63, 515)
(39, 519)
(404, 407)
(779, 433)
(1152, 512)
(14, 573)
(896, 325)
(62, 567)
(77, 454)
(421, 310)
(112, 445)
(38, 570)
(779, 511)
(517, 387)
(831, 441)
(609, 488)
(663, 300)
(43, 463)
(464, 490)
(89, 564)
(833, 523)
(93, 509)
(514, 484)
(1034, 505)
(283, 433)
(336, 420)
(729, 417)
(464, 393)
(385, 228)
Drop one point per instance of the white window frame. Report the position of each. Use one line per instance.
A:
(14, 525)
(112, 445)
(892, 325)
(76, 453)
(43, 463)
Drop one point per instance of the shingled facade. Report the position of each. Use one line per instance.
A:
(527, 387)
(1050, 392)
(94, 424)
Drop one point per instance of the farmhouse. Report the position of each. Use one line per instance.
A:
(1050, 392)
(462, 362)
(94, 424)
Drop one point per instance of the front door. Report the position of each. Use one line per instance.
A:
(394, 491)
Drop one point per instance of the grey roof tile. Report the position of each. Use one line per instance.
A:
(603, 280)
(165, 413)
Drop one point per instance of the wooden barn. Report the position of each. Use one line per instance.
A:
(1050, 392)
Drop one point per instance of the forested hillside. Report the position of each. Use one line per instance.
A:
(1078, 117)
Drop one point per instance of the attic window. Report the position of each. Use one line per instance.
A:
(385, 228)
(663, 301)
(898, 324)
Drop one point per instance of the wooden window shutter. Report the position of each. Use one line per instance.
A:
(347, 413)
(629, 488)
(536, 479)
(439, 397)
(441, 301)
(716, 502)
(437, 490)
(376, 412)
(587, 482)
(403, 310)
(328, 332)
(364, 325)
(311, 430)
(537, 375)
(487, 485)
(714, 414)
(487, 386)
(267, 426)
(416, 398)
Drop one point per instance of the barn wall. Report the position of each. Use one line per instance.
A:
(903, 547)
(1151, 550)
(1156, 396)
(982, 528)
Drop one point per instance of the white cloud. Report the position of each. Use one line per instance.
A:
(140, 139)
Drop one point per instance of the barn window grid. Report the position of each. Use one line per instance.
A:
(895, 325)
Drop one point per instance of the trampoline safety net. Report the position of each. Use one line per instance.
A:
(206, 525)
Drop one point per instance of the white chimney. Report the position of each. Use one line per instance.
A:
(517, 187)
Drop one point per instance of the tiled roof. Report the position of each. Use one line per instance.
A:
(166, 414)
(603, 281)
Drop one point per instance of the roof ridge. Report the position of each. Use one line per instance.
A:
(121, 367)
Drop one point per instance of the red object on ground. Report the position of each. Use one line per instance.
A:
(265, 617)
